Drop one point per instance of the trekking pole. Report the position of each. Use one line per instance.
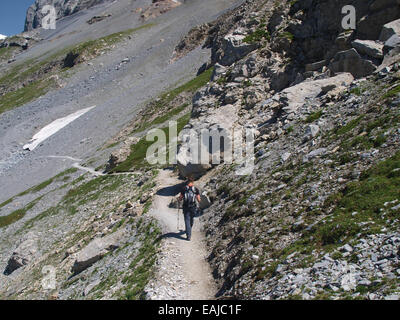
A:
(178, 215)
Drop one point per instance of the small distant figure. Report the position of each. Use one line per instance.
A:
(191, 197)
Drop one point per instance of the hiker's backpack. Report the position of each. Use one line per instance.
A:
(189, 199)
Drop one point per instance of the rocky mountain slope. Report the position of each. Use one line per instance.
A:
(69, 223)
(317, 217)
(63, 8)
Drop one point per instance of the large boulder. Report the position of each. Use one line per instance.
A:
(215, 124)
(234, 48)
(96, 250)
(370, 48)
(316, 66)
(390, 35)
(370, 25)
(292, 98)
(391, 43)
(350, 61)
(389, 30)
(186, 165)
(218, 72)
(22, 255)
(203, 100)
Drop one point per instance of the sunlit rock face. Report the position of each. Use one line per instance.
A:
(63, 8)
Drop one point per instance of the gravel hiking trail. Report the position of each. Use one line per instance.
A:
(182, 272)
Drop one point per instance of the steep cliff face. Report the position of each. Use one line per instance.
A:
(63, 8)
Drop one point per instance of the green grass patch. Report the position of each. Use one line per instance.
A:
(3, 204)
(287, 35)
(24, 95)
(367, 197)
(358, 91)
(258, 35)
(80, 195)
(7, 53)
(142, 265)
(191, 86)
(378, 185)
(313, 117)
(137, 156)
(17, 214)
(162, 119)
(391, 93)
(92, 190)
(41, 70)
(92, 48)
(40, 186)
(289, 130)
(349, 126)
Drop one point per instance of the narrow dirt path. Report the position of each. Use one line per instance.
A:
(182, 272)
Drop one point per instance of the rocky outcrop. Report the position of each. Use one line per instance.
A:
(282, 57)
(373, 49)
(392, 43)
(321, 130)
(157, 8)
(390, 29)
(34, 14)
(311, 90)
(351, 61)
(390, 36)
(22, 41)
(378, 13)
(96, 19)
(192, 40)
(95, 250)
(22, 255)
(186, 164)
(292, 98)
(339, 275)
(121, 154)
(234, 48)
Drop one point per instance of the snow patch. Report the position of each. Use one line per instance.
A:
(53, 128)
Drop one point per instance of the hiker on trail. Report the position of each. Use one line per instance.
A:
(190, 194)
